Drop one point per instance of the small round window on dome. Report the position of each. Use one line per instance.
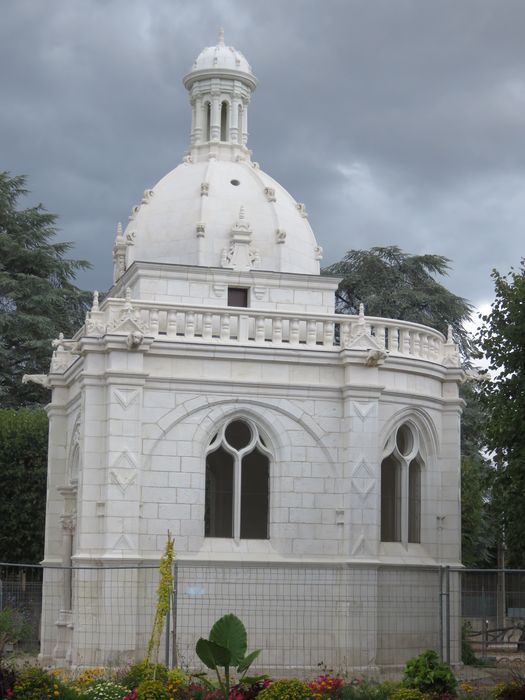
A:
(235, 182)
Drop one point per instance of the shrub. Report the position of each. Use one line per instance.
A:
(368, 690)
(511, 691)
(467, 652)
(325, 685)
(407, 694)
(152, 690)
(33, 683)
(144, 671)
(7, 679)
(286, 690)
(13, 628)
(429, 675)
(105, 690)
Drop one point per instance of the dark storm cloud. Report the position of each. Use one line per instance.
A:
(395, 121)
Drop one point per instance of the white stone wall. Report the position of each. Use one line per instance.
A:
(142, 419)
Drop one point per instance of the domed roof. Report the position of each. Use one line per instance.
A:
(193, 216)
(220, 58)
(217, 208)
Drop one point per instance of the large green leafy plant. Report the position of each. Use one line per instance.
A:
(429, 675)
(224, 650)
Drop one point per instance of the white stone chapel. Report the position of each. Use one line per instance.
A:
(215, 394)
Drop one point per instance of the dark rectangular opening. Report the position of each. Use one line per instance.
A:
(237, 296)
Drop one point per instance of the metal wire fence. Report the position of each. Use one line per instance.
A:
(344, 617)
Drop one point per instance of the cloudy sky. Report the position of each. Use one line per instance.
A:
(395, 121)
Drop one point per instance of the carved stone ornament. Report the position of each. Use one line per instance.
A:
(68, 522)
(95, 322)
(451, 356)
(187, 159)
(205, 189)
(219, 289)
(280, 236)
(134, 340)
(318, 252)
(259, 292)
(240, 255)
(128, 320)
(269, 193)
(301, 209)
(374, 358)
(148, 194)
(41, 379)
(64, 354)
(201, 229)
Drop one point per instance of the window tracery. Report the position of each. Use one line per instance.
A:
(237, 482)
(401, 470)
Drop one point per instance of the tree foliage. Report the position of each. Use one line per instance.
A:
(502, 342)
(394, 284)
(478, 542)
(23, 465)
(38, 299)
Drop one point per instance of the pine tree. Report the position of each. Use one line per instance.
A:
(394, 284)
(38, 299)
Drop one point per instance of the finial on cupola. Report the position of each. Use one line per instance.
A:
(221, 36)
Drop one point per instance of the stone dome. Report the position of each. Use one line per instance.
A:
(193, 217)
(217, 208)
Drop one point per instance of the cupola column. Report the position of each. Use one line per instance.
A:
(215, 130)
(234, 120)
(245, 123)
(197, 129)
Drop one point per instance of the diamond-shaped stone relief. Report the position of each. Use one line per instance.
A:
(364, 410)
(359, 547)
(123, 542)
(126, 397)
(123, 478)
(125, 461)
(362, 480)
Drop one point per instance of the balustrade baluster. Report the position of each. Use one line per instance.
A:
(346, 332)
(311, 332)
(260, 333)
(404, 344)
(242, 328)
(225, 326)
(294, 331)
(172, 324)
(277, 330)
(154, 321)
(380, 335)
(424, 345)
(189, 326)
(328, 333)
(207, 326)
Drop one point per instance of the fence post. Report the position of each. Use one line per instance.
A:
(174, 658)
(444, 613)
(447, 614)
(167, 635)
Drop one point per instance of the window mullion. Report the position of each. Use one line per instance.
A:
(404, 502)
(237, 498)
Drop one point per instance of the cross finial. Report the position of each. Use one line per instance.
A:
(221, 36)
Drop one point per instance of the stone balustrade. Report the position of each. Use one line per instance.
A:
(262, 328)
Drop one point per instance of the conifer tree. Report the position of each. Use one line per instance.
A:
(38, 299)
(394, 284)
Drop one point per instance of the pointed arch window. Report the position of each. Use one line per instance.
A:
(401, 470)
(237, 483)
